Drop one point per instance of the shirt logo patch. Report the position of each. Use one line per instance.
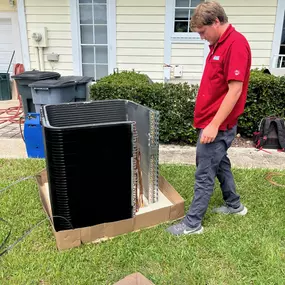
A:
(216, 57)
(237, 72)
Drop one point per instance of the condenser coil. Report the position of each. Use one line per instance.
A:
(92, 150)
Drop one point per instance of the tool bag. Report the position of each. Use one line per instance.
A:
(271, 134)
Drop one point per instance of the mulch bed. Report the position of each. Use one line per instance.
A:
(242, 142)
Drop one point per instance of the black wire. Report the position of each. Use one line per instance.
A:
(21, 131)
(1, 219)
(29, 231)
(17, 181)
(9, 233)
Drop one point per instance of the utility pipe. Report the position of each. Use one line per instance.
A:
(42, 59)
(37, 58)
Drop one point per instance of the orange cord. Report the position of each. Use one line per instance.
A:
(270, 175)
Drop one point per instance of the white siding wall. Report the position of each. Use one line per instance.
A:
(191, 57)
(140, 36)
(254, 18)
(55, 16)
(6, 7)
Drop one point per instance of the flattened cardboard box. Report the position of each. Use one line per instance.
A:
(134, 279)
(72, 238)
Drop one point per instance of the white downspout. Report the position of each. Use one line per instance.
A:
(37, 58)
(42, 59)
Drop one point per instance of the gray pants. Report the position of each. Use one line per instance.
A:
(211, 162)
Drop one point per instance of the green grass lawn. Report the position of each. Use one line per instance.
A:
(232, 250)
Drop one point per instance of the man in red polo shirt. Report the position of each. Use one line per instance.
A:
(220, 101)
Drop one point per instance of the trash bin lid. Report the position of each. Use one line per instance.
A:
(52, 83)
(36, 75)
(79, 79)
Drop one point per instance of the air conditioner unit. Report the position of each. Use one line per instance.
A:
(91, 150)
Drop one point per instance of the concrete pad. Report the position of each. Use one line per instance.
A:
(240, 157)
(12, 148)
(173, 154)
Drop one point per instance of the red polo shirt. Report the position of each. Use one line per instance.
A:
(229, 60)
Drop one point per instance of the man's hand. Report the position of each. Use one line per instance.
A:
(209, 134)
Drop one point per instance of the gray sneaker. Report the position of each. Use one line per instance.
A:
(241, 210)
(182, 229)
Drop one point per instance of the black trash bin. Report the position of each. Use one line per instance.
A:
(81, 86)
(5, 88)
(24, 79)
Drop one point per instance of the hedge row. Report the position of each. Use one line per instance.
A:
(266, 96)
(176, 102)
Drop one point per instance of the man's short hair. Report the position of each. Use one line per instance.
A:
(206, 13)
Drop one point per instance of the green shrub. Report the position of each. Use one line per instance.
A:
(126, 77)
(175, 102)
(266, 96)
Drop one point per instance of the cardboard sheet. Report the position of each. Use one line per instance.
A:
(170, 207)
(162, 203)
(134, 279)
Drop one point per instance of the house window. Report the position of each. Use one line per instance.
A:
(182, 13)
(281, 59)
(184, 10)
(94, 37)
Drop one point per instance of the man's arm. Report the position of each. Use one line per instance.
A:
(210, 132)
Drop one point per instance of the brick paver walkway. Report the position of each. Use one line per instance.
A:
(9, 111)
(10, 130)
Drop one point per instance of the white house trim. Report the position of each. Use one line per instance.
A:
(277, 31)
(167, 38)
(23, 35)
(75, 35)
(112, 35)
(185, 37)
(171, 37)
(111, 30)
(181, 37)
